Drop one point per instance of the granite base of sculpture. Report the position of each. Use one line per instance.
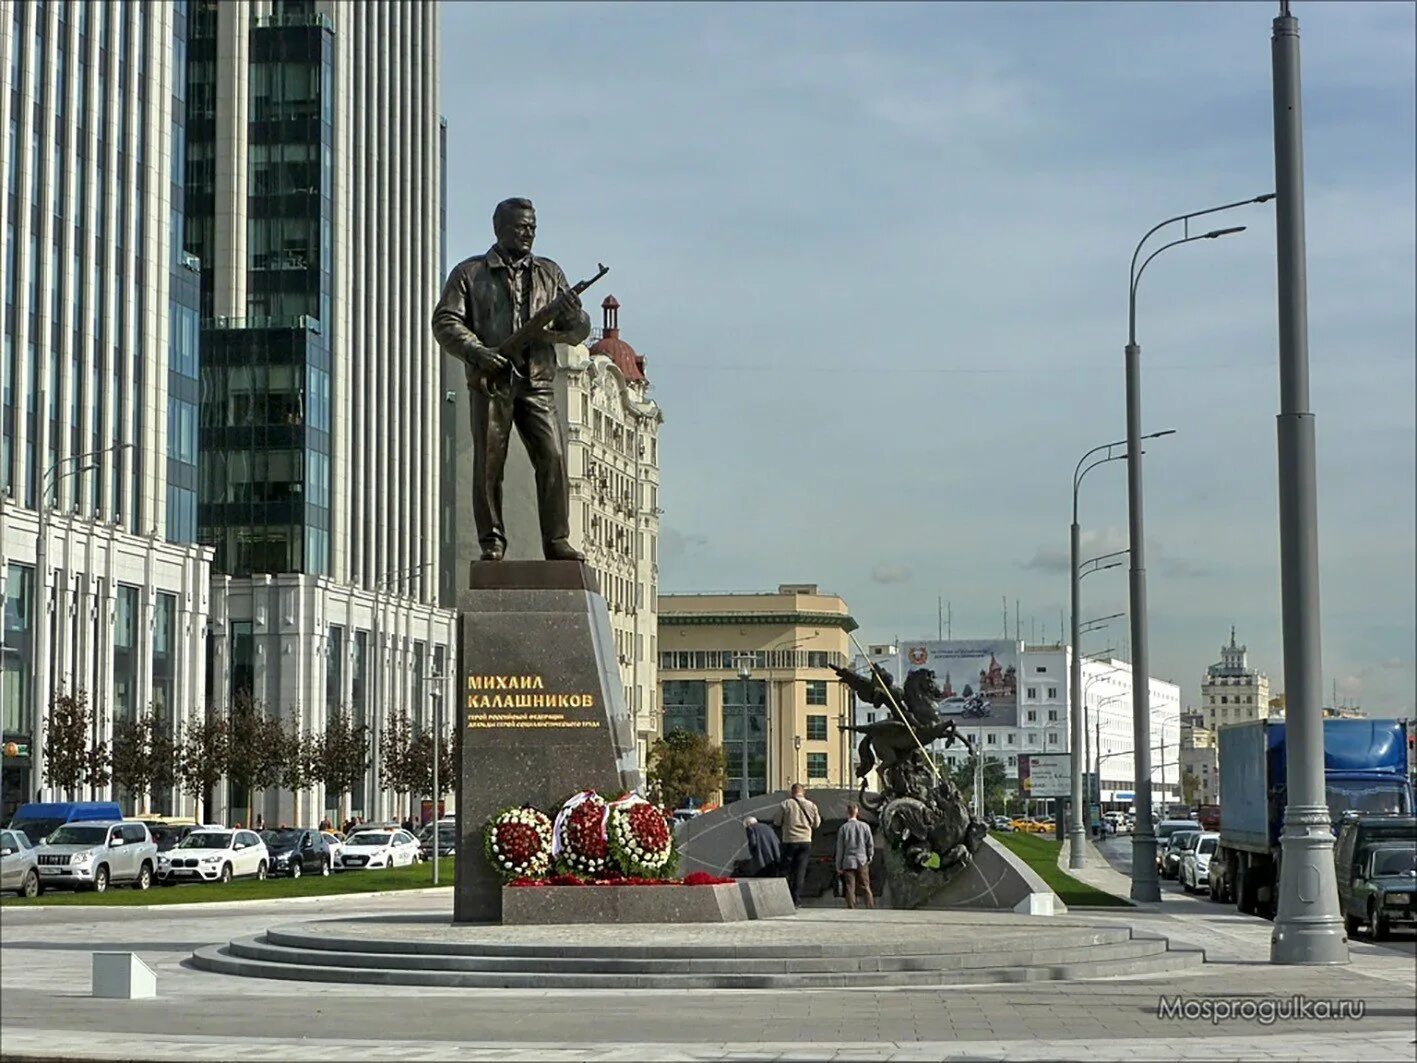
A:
(930, 830)
(543, 710)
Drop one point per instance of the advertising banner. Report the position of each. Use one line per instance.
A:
(1049, 774)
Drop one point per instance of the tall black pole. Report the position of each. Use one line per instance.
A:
(1307, 926)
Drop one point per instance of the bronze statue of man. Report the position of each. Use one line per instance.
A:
(486, 299)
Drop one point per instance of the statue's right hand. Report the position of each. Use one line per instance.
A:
(489, 360)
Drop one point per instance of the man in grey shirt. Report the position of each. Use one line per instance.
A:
(854, 849)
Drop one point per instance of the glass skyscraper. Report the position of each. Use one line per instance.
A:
(222, 228)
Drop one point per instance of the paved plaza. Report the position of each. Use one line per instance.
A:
(46, 1010)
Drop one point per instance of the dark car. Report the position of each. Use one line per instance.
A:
(1176, 846)
(297, 852)
(167, 835)
(447, 840)
(1374, 864)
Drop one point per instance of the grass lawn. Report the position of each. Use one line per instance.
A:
(417, 876)
(1041, 854)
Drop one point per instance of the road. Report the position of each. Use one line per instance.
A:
(1118, 851)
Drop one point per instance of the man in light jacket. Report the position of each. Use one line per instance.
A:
(797, 818)
(854, 849)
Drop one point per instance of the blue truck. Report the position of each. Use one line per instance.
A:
(1365, 770)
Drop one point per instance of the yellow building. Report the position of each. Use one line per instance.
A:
(759, 665)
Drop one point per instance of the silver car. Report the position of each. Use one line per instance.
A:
(97, 855)
(18, 865)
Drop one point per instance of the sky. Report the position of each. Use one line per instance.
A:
(875, 256)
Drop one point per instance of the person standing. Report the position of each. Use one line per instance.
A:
(854, 849)
(764, 853)
(797, 819)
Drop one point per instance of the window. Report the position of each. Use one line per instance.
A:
(816, 766)
(1052, 715)
(1041, 668)
(817, 692)
(991, 739)
(1012, 736)
(1224, 699)
(1032, 693)
(1052, 738)
(1052, 693)
(685, 705)
(816, 728)
(1032, 716)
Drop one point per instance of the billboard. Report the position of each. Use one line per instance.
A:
(1048, 774)
(964, 667)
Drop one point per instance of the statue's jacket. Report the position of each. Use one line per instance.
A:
(477, 310)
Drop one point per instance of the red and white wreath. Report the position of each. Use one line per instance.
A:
(640, 838)
(517, 843)
(579, 842)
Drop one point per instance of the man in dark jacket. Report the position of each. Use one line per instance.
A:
(486, 299)
(764, 853)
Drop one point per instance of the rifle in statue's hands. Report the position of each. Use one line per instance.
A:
(515, 346)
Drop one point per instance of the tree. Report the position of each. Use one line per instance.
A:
(202, 758)
(684, 765)
(995, 780)
(420, 764)
(299, 757)
(144, 754)
(71, 757)
(256, 747)
(341, 755)
(395, 764)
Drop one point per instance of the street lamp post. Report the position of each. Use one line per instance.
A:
(1077, 833)
(745, 669)
(1308, 927)
(1145, 885)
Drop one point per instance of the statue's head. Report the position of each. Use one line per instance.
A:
(514, 222)
(920, 680)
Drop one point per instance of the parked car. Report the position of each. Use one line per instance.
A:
(42, 818)
(19, 864)
(297, 852)
(447, 840)
(1176, 844)
(1002, 823)
(334, 842)
(1370, 888)
(95, 855)
(379, 848)
(215, 855)
(1193, 872)
(168, 836)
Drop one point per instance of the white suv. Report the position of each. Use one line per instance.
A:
(379, 848)
(95, 855)
(214, 855)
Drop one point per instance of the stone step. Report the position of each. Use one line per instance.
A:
(221, 959)
(257, 948)
(330, 939)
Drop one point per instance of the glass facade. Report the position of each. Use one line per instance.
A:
(745, 735)
(184, 306)
(359, 678)
(816, 728)
(15, 714)
(334, 669)
(164, 681)
(685, 706)
(125, 654)
(263, 481)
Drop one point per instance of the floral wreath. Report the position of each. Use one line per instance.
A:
(578, 839)
(640, 838)
(517, 843)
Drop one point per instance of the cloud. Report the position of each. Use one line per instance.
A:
(887, 573)
(1090, 544)
(675, 545)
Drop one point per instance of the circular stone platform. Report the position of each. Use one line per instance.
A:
(812, 949)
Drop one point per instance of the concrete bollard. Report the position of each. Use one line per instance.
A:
(122, 976)
(1036, 904)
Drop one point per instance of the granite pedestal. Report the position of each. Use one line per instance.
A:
(543, 710)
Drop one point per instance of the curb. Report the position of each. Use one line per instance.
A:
(9, 910)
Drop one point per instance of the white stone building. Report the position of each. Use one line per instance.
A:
(1232, 691)
(612, 441)
(105, 588)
